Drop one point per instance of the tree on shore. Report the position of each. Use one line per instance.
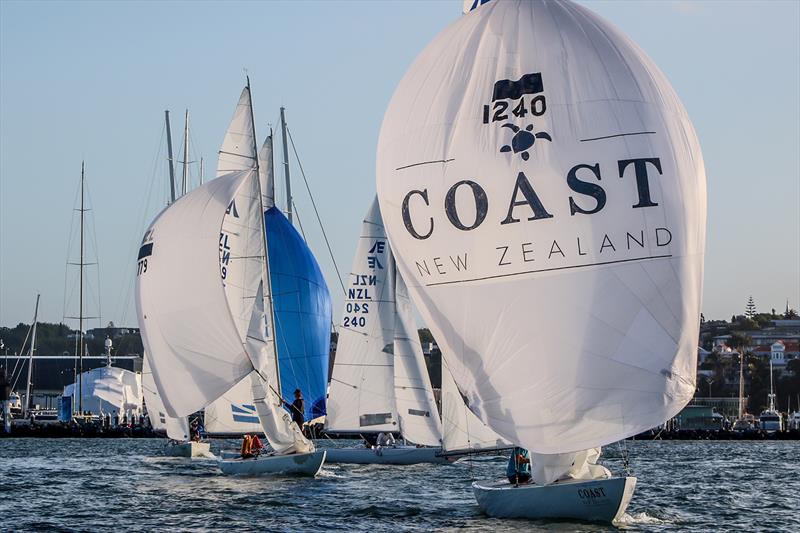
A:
(750, 308)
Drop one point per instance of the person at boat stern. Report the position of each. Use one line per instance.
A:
(519, 466)
(297, 408)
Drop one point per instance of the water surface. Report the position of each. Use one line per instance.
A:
(127, 485)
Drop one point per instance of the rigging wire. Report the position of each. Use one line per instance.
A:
(96, 258)
(143, 209)
(316, 212)
(21, 350)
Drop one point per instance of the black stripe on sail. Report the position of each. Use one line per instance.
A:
(513, 90)
(145, 251)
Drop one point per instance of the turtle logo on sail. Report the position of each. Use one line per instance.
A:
(523, 140)
(516, 99)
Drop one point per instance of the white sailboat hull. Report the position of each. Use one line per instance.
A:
(597, 500)
(398, 455)
(297, 464)
(189, 449)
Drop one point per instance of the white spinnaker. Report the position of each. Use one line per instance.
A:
(196, 350)
(361, 395)
(461, 429)
(233, 413)
(574, 323)
(416, 405)
(176, 428)
(238, 147)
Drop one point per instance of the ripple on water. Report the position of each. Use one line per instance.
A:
(127, 485)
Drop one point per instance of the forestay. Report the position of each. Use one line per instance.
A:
(544, 193)
(175, 428)
(361, 395)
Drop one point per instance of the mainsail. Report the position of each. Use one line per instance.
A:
(416, 406)
(361, 396)
(380, 381)
(544, 193)
(176, 428)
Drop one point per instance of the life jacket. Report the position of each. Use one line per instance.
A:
(247, 444)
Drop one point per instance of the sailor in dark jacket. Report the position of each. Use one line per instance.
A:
(297, 408)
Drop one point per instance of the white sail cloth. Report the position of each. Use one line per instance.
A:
(361, 394)
(462, 431)
(544, 194)
(234, 413)
(547, 468)
(416, 406)
(236, 152)
(380, 381)
(108, 389)
(196, 350)
(175, 428)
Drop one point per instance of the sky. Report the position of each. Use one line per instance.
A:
(91, 80)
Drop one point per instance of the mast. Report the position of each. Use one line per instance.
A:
(171, 161)
(27, 405)
(271, 192)
(771, 390)
(266, 279)
(286, 167)
(201, 171)
(741, 385)
(185, 183)
(80, 311)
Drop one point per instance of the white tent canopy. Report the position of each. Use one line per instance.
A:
(108, 390)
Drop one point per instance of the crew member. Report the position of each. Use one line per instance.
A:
(519, 466)
(385, 439)
(297, 408)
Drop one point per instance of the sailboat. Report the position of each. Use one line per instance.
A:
(770, 419)
(176, 429)
(205, 305)
(544, 193)
(379, 381)
(300, 296)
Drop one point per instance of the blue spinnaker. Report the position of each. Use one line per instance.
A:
(302, 314)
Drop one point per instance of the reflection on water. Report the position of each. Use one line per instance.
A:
(126, 485)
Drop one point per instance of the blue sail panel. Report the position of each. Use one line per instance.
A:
(302, 314)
